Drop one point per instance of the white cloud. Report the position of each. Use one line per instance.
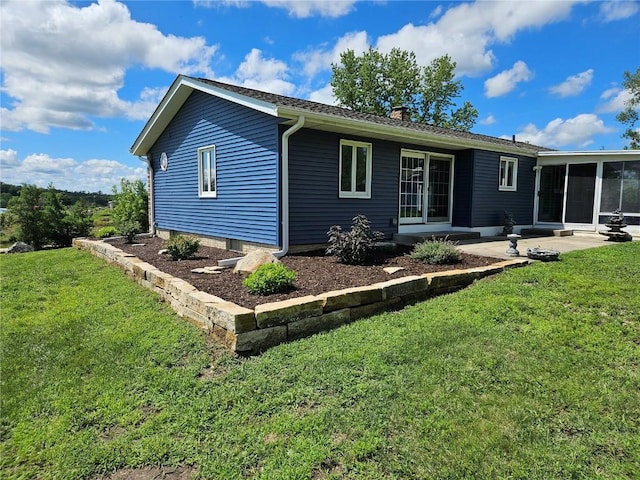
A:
(295, 8)
(573, 85)
(266, 74)
(577, 132)
(309, 8)
(66, 173)
(506, 81)
(615, 99)
(489, 120)
(318, 60)
(618, 10)
(466, 31)
(56, 80)
(9, 159)
(324, 95)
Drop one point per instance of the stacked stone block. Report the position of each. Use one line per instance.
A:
(247, 331)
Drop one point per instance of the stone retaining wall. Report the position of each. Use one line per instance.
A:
(249, 331)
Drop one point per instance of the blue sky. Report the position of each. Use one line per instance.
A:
(79, 79)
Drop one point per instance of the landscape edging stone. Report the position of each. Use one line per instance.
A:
(249, 331)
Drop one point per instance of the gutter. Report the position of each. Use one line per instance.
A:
(152, 217)
(284, 188)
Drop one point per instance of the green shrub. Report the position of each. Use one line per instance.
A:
(355, 247)
(129, 229)
(270, 278)
(131, 203)
(105, 232)
(436, 252)
(181, 247)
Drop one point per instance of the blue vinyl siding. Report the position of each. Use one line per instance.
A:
(315, 205)
(489, 203)
(313, 186)
(246, 206)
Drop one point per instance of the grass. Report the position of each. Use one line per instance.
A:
(531, 374)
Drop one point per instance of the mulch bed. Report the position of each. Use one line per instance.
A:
(317, 273)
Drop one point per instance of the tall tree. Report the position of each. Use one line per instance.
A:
(27, 209)
(629, 116)
(375, 83)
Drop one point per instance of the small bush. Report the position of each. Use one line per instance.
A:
(355, 247)
(105, 232)
(436, 252)
(129, 229)
(181, 247)
(270, 278)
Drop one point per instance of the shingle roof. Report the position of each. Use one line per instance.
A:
(321, 108)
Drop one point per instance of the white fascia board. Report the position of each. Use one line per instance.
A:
(164, 112)
(589, 153)
(175, 98)
(373, 130)
(252, 103)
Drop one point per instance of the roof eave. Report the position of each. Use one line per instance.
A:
(403, 134)
(590, 153)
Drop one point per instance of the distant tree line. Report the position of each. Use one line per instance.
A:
(96, 199)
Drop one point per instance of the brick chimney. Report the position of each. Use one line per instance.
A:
(400, 113)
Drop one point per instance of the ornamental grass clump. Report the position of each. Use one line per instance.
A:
(436, 252)
(355, 247)
(270, 278)
(181, 247)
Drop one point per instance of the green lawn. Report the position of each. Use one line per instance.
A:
(532, 374)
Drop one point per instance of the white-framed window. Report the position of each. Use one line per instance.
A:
(508, 174)
(355, 169)
(207, 171)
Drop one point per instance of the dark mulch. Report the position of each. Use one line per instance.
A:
(317, 273)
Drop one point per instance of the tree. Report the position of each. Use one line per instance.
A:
(131, 206)
(53, 212)
(77, 222)
(629, 116)
(375, 83)
(27, 212)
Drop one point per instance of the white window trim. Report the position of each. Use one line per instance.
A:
(502, 182)
(202, 193)
(353, 193)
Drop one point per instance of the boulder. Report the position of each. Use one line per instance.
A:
(20, 247)
(252, 260)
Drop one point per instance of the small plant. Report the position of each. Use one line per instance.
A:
(436, 252)
(105, 232)
(355, 247)
(270, 278)
(181, 247)
(129, 229)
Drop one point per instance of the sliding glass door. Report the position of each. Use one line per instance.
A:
(425, 187)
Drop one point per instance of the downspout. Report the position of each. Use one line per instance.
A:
(284, 188)
(152, 217)
(284, 185)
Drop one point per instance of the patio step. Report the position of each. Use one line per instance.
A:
(413, 238)
(546, 232)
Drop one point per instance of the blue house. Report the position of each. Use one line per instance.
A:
(242, 168)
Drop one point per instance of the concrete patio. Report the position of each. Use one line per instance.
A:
(497, 246)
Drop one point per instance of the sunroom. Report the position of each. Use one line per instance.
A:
(580, 190)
